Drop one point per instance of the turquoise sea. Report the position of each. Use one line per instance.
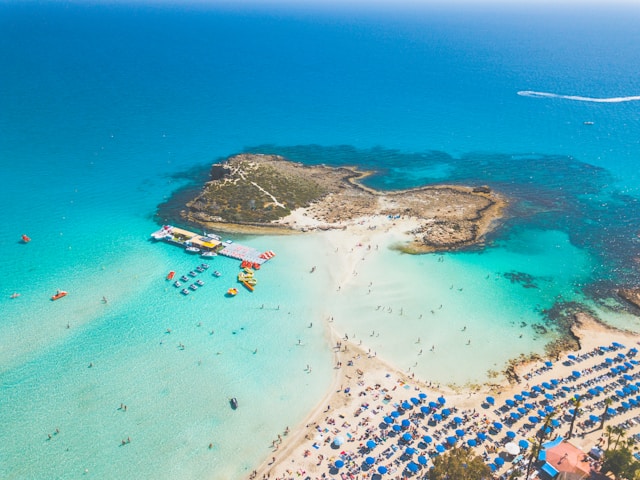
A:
(107, 110)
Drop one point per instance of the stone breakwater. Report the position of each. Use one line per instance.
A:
(253, 193)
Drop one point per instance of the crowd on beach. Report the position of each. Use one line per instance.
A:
(392, 427)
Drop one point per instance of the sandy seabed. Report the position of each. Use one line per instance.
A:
(366, 389)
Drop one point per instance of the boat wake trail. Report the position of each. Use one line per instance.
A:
(529, 93)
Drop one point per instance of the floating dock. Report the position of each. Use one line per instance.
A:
(211, 243)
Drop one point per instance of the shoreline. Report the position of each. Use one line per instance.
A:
(373, 377)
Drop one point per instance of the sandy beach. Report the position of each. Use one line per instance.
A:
(377, 416)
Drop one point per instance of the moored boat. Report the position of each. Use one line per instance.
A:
(232, 292)
(59, 294)
(216, 273)
(192, 250)
(25, 239)
(200, 283)
(193, 287)
(184, 278)
(208, 254)
(177, 284)
(170, 275)
(234, 403)
(204, 265)
(184, 291)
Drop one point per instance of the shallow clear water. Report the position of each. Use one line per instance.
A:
(106, 110)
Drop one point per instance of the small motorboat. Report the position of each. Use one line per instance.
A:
(193, 287)
(177, 284)
(192, 250)
(184, 291)
(216, 273)
(25, 239)
(200, 283)
(192, 273)
(15, 295)
(208, 254)
(234, 403)
(204, 265)
(588, 123)
(184, 278)
(232, 292)
(170, 275)
(199, 269)
(59, 294)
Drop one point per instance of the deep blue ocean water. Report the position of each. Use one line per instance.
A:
(106, 110)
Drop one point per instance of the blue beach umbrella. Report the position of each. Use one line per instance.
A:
(542, 413)
(555, 422)
(422, 460)
(451, 440)
(410, 451)
(406, 405)
(382, 470)
(482, 436)
(387, 419)
(548, 364)
(549, 408)
(492, 467)
(528, 406)
(511, 434)
(412, 467)
(600, 388)
(497, 425)
(446, 412)
(425, 410)
(611, 411)
(437, 417)
(523, 444)
(619, 393)
(514, 415)
(554, 382)
(519, 397)
(457, 420)
(499, 461)
(576, 374)
(510, 402)
(608, 360)
(440, 448)
(626, 405)
(395, 414)
(414, 400)
(339, 464)
(427, 439)
(370, 460)
(422, 396)
(547, 385)
(371, 444)
(472, 442)
(460, 432)
(407, 437)
(537, 388)
(548, 396)
(397, 428)
(572, 357)
(593, 391)
(433, 405)
(442, 400)
(534, 419)
(633, 402)
(525, 393)
(566, 389)
(621, 356)
(522, 410)
(405, 423)
(627, 377)
(491, 400)
(594, 418)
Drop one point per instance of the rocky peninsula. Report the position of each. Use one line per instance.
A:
(254, 193)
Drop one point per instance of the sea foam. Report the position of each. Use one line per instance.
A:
(530, 93)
